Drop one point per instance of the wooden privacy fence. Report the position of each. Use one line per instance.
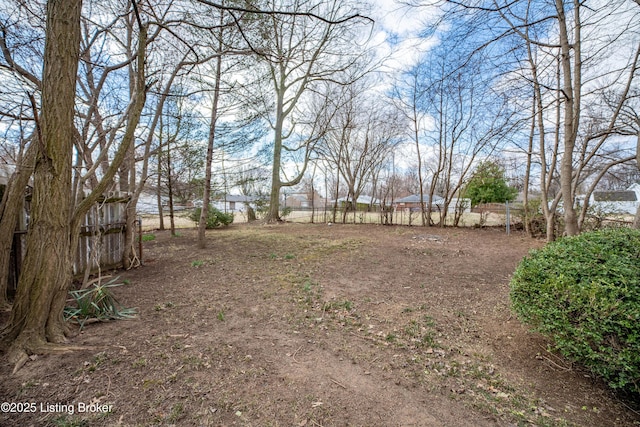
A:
(101, 242)
(102, 235)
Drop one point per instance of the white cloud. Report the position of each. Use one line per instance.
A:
(399, 33)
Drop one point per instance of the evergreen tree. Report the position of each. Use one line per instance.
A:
(488, 185)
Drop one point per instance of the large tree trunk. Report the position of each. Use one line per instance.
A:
(47, 264)
(273, 215)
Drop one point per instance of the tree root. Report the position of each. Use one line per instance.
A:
(19, 355)
(22, 359)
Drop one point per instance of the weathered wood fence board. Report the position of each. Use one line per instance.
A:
(101, 242)
(102, 235)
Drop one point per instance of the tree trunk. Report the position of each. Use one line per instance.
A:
(273, 215)
(206, 196)
(158, 191)
(139, 94)
(636, 220)
(172, 222)
(10, 210)
(571, 116)
(35, 318)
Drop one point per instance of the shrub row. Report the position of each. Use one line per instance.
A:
(584, 293)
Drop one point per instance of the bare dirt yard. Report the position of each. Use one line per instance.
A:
(316, 325)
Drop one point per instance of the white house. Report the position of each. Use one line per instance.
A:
(234, 203)
(616, 202)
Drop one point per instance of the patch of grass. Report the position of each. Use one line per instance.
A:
(197, 263)
(412, 329)
(312, 292)
(337, 305)
(176, 413)
(308, 286)
(65, 421)
(220, 315)
(148, 237)
(98, 359)
(139, 363)
(289, 256)
(428, 321)
(194, 361)
(160, 307)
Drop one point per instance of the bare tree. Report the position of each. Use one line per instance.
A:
(568, 60)
(410, 97)
(300, 50)
(363, 132)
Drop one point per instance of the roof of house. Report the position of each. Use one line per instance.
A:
(365, 200)
(240, 198)
(415, 198)
(615, 196)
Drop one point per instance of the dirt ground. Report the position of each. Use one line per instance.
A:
(316, 325)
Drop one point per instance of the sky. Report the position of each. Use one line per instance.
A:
(398, 36)
(398, 33)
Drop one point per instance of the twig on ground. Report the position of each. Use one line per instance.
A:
(294, 354)
(557, 365)
(338, 383)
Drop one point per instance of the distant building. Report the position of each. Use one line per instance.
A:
(363, 203)
(615, 202)
(412, 202)
(302, 200)
(234, 203)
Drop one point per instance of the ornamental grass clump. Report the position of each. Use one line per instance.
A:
(97, 303)
(583, 292)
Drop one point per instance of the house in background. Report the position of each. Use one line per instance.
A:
(148, 203)
(234, 202)
(615, 202)
(363, 203)
(302, 200)
(412, 202)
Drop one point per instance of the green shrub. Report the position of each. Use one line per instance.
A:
(286, 211)
(584, 293)
(215, 217)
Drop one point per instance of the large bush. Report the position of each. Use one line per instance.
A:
(584, 293)
(215, 217)
(489, 185)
